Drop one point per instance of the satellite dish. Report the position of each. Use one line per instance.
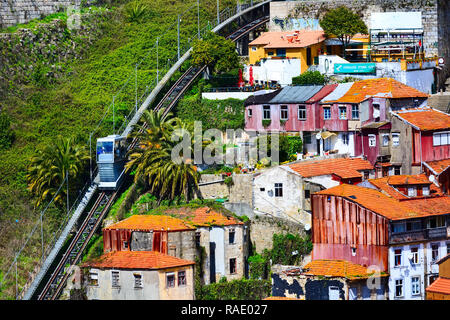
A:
(307, 227)
(432, 178)
(318, 136)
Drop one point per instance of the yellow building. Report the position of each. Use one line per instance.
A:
(440, 288)
(304, 45)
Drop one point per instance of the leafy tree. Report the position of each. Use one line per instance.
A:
(309, 78)
(6, 133)
(48, 168)
(215, 51)
(152, 157)
(344, 24)
(283, 150)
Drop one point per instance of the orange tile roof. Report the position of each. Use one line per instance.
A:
(205, 216)
(337, 268)
(379, 88)
(385, 184)
(279, 39)
(438, 166)
(425, 119)
(440, 285)
(343, 167)
(136, 260)
(151, 222)
(390, 207)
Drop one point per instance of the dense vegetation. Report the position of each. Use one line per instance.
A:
(309, 78)
(72, 105)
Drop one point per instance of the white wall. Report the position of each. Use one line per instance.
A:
(280, 70)
(217, 235)
(324, 181)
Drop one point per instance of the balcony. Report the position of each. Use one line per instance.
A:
(409, 236)
(437, 233)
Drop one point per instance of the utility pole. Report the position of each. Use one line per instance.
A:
(179, 18)
(218, 13)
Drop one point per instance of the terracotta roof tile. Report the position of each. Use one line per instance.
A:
(337, 268)
(205, 216)
(343, 167)
(387, 184)
(425, 119)
(380, 88)
(151, 222)
(440, 285)
(438, 166)
(137, 260)
(388, 206)
(279, 39)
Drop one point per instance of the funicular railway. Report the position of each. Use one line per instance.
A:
(52, 277)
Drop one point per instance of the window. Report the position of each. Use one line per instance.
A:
(249, 112)
(441, 138)
(448, 247)
(197, 239)
(397, 257)
(266, 112)
(262, 189)
(413, 225)
(385, 139)
(372, 140)
(326, 113)
(415, 285)
(170, 280)
(366, 175)
(125, 245)
(284, 113)
(376, 112)
(327, 144)
(232, 265)
(426, 190)
(278, 189)
(345, 138)
(434, 252)
(231, 235)
(115, 278)
(342, 113)
(436, 222)
(253, 48)
(415, 255)
(270, 53)
(396, 139)
(137, 280)
(355, 111)
(93, 279)
(398, 227)
(397, 171)
(412, 191)
(307, 137)
(399, 288)
(307, 194)
(301, 112)
(181, 278)
(431, 279)
(281, 52)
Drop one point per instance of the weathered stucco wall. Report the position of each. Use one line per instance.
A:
(262, 229)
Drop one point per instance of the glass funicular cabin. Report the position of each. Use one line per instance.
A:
(111, 157)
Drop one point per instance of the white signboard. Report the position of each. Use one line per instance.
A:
(395, 20)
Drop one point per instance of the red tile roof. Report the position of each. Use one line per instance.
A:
(438, 166)
(137, 260)
(205, 216)
(440, 285)
(388, 206)
(151, 222)
(386, 184)
(343, 167)
(279, 39)
(425, 119)
(326, 90)
(379, 88)
(337, 268)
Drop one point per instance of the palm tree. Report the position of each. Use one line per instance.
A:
(48, 168)
(152, 157)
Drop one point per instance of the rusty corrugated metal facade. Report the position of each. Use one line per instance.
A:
(115, 239)
(340, 226)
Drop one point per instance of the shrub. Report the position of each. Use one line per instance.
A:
(6, 133)
(309, 78)
(244, 289)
